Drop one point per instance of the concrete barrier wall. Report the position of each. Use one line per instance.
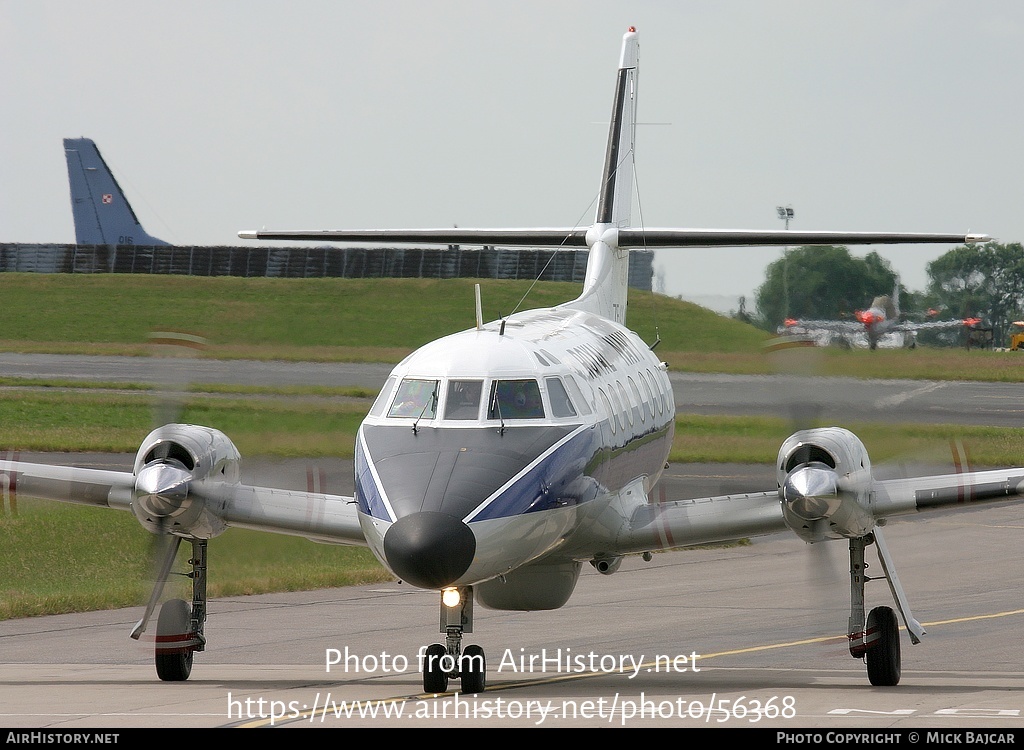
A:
(315, 262)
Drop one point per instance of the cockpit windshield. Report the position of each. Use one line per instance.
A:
(416, 399)
(515, 399)
(421, 398)
(463, 400)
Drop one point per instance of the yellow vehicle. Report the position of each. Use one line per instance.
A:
(1017, 336)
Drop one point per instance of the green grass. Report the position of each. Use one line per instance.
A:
(69, 558)
(757, 440)
(311, 319)
(382, 320)
(81, 420)
(922, 363)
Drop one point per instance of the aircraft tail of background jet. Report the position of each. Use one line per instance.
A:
(101, 211)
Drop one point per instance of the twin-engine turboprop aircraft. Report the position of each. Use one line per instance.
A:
(496, 461)
(871, 327)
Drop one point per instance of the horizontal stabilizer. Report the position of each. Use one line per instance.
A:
(623, 238)
(752, 237)
(450, 236)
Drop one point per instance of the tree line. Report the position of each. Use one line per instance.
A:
(984, 281)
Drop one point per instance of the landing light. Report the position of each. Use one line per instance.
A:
(450, 597)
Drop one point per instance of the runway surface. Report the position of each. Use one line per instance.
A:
(766, 621)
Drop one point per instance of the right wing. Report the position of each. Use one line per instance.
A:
(185, 483)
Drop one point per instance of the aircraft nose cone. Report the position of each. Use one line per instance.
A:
(429, 549)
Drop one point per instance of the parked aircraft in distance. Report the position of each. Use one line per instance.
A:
(496, 461)
(101, 211)
(880, 326)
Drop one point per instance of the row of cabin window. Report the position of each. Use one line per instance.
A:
(622, 411)
(508, 399)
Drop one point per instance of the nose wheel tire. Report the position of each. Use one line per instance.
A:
(474, 670)
(435, 679)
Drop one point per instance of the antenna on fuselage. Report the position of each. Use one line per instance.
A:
(479, 309)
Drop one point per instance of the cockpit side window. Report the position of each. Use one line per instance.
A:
(463, 400)
(382, 398)
(577, 395)
(561, 405)
(416, 399)
(515, 399)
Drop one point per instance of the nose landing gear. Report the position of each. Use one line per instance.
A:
(442, 662)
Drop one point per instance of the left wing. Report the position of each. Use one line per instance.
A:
(825, 490)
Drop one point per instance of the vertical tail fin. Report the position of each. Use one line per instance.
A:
(617, 176)
(101, 211)
(607, 281)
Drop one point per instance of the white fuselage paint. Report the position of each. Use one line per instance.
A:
(619, 436)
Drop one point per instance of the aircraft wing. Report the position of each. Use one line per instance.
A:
(633, 237)
(898, 496)
(194, 507)
(70, 484)
(683, 523)
(833, 326)
(931, 325)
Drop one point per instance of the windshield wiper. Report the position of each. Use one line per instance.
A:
(496, 406)
(431, 401)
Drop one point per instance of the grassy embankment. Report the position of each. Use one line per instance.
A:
(67, 558)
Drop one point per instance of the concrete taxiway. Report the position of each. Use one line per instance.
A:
(766, 621)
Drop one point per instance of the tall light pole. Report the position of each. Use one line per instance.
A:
(786, 214)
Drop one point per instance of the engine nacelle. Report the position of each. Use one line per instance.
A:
(172, 468)
(824, 479)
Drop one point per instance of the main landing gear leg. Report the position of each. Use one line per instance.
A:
(179, 632)
(878, 640)
(449, 661)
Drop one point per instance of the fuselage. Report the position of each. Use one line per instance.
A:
(499, 446)
(875, 321)
(880, 318)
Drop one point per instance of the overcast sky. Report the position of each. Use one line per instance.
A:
(891, 115)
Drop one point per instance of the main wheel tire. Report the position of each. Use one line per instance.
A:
(174, 623)
(474, 670)
(883, 657)
(435, 679)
